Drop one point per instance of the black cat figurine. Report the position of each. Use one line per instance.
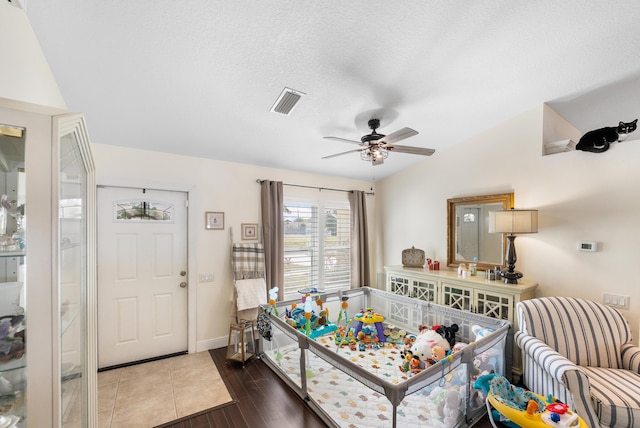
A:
(599, 140)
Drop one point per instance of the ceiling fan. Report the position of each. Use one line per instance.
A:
(376, 147)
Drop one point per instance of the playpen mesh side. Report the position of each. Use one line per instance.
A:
(402, 312)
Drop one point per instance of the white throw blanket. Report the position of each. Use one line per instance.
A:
(251, 293)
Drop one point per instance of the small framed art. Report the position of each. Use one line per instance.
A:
(214, 220)
(249, 231)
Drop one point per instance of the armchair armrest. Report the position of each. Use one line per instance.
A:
(631, 357)
(567, 374)
(551, 361)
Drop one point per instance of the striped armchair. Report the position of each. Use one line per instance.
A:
(580, 352)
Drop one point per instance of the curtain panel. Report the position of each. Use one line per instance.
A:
(359, 240)
(272, 204)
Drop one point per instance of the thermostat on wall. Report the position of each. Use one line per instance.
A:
(587, 246)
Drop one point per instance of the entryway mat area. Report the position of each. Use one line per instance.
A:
(150, 394)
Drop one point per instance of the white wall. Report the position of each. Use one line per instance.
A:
(213, 186)
(579, 195)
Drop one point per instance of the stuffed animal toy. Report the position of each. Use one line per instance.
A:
(449, 333)
(424, 343)
(480, 331)
(457, 347)
(437, 353)
(449, 408)
(484, 363)
(432, 402)
(406, 363)
(417, 365)
(407, 342)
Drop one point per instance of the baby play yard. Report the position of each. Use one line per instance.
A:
(367, 358)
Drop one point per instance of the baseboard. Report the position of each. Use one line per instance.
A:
(218, 342)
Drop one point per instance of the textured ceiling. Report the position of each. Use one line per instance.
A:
(199, 78)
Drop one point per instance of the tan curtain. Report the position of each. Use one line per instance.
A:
(359, 240)
(272, 203)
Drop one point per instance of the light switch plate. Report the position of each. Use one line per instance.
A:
(206, 277)
(616, 300)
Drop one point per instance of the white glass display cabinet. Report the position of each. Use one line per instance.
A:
(47, 272)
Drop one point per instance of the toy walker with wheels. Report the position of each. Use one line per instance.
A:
(516, 407)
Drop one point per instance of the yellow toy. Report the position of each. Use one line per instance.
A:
(367, 317)
(524, 408)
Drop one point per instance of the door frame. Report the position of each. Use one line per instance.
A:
(191, 192)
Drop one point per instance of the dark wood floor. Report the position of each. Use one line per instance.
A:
(260, 399)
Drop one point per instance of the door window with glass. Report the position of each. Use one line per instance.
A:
(317, 245)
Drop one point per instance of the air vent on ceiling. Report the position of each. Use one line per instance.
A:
(287, 101)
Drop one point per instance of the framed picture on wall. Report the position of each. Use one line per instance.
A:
(249, 231)
(214, 220)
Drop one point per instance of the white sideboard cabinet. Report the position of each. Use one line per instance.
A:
(473, 293)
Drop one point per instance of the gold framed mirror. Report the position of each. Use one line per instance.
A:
(467, 230)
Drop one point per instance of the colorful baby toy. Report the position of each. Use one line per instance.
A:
(370, 324)
(523, 408)
(307, 320)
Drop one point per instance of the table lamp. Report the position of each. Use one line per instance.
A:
(513, 222)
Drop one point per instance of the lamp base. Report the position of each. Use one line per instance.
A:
(511, 277)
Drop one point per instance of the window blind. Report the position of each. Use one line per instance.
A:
(316, 245)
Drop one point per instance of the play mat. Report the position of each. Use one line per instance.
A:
(357, 373)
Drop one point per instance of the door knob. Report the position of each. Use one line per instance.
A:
(183, 284)
(183, 273)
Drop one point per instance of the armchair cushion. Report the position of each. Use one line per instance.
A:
(616, 396)
(585, 332)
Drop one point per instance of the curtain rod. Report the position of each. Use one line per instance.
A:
(314, 187)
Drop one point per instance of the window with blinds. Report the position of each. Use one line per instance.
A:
(316, 245)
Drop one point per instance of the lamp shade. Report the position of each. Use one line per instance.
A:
(513, 221)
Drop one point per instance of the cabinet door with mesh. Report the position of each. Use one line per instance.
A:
(423, 290)
(494, 305)
(457, 297)
(399, 285)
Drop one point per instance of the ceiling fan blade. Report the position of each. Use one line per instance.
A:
(344, 140)
(343, 153)
(398, 135)
(411, 150)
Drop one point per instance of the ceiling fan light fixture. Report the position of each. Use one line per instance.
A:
(375, 147)
(286, 101)
(375, 155)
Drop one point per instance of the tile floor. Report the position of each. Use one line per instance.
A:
(149, 394)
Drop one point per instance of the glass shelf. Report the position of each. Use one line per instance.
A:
(6, 254)
(15, 364)
(69, 246)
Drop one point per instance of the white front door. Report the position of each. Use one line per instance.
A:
(142, 274)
